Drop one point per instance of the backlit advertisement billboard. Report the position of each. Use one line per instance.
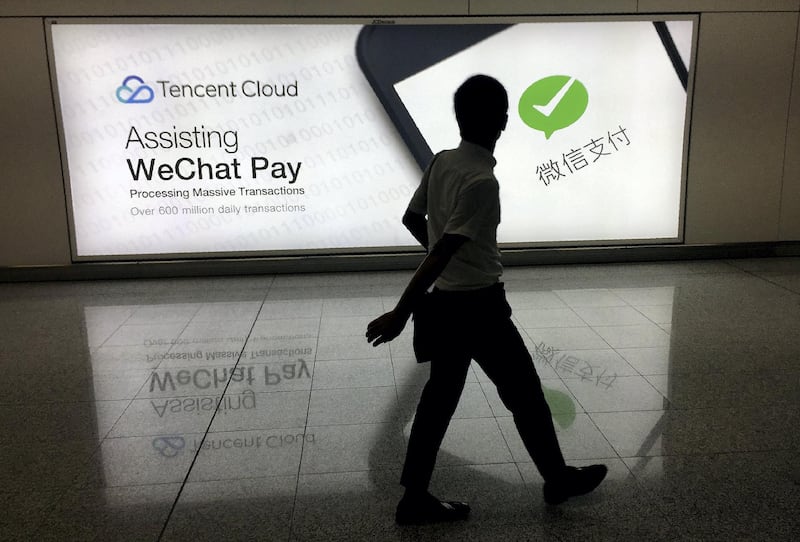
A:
(227, 137)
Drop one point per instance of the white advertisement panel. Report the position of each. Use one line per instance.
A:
(198, 138)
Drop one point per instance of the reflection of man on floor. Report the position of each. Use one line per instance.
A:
(459, 195)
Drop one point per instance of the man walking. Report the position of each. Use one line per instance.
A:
(454, 214)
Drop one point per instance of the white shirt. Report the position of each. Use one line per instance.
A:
(460, 195)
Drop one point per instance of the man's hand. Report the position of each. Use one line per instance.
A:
(386, 327)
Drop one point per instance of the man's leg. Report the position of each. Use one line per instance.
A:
(506, 361)
(435, 409)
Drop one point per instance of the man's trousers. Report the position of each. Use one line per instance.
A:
(477, 325)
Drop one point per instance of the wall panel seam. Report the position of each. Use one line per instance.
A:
(54, 111)
(788, 124)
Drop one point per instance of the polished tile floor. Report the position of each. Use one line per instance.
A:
(251, 408)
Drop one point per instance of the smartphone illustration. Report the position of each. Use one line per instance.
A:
(389, 54)
(598, 114)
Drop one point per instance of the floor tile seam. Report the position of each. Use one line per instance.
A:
(350, 358)
(680, 406)
(65, 402)
(118, 327)
(558, 376)
(295, 336)
(175, 344)
(766, 279)
(217, 320)
(572, 395)
(705, 372)
(642, 479)
(337, 388)
(97, 488)
(722, 453)
(351, 316)
(210, 423)
(218, 366)
(188, 321)
(360, 336)
(113, 425)
(492, 415)
(668, 404)
(305, 426)
(578, 378)
(356, 387)
(660, 505)
(636, 308)
(44, 522)
(259, 477)
(76, 482)
(160, 323)
(206, 396)
(609, 347)
(733, 263)
(497, 424)
(518, 464)
(676, 409)
(572, 306)
(144, 383)
(396, 469)
(469, 464)
(596, 328)
(396, 423)
(397, 387)
(583, 378)
(655, 437)
(605, 438)
(708, 454)
(63, 491)
(220, 432)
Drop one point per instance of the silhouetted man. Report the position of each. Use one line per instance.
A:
(454, 214)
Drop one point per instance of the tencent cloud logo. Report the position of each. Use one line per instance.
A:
(135, 91)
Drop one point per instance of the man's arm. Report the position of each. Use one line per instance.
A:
(390, 325)
(418, 226)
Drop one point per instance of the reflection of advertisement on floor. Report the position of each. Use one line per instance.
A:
(190, 368)
(204, 378)
(278, 440)
(230, 138)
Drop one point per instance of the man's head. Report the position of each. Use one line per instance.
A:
(481, 106)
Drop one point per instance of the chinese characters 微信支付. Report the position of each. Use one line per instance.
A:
(576, 159)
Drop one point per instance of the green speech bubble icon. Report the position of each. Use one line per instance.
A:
(553, 103)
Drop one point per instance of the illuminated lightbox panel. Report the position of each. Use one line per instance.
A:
(222, 138)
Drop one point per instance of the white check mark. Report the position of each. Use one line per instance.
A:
(548, 108)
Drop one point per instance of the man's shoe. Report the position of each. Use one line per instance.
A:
(576, 481)
(429, 510)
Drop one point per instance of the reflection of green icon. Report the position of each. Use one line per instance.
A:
(553, 103)
(561, 405)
